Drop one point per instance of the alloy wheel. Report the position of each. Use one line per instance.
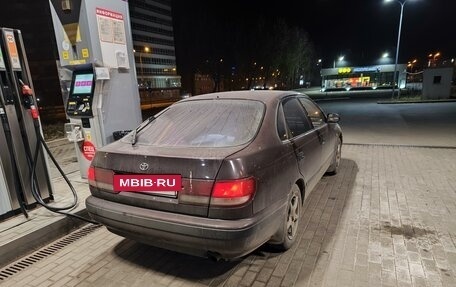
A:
(294, 211)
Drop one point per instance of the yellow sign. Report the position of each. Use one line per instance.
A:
(88, 136)
(85, 53)
(65, 55)
(344, 70)
(77, 62)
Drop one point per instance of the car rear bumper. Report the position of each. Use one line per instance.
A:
(194, 235)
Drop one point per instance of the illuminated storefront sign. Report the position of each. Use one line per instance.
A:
(366, 69)
(344, 70)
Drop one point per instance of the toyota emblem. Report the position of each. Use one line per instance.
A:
(144, 166)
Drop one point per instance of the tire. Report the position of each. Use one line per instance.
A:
(334, 167)
(288, 232)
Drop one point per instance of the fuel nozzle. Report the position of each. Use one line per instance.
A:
(26, 90)
(29, 102)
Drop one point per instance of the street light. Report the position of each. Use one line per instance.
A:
(146, 50)
(410, 64)
(340, 59)
(395, 77)
(433, 56)
(385, 58)
(411, 74)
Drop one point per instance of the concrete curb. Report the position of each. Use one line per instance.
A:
(38, 238)
(401, 145)
(416, 102)
(329, 99)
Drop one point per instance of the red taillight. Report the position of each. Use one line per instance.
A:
(100, 178)
(232, 192)
(220, 193)
(91, 174)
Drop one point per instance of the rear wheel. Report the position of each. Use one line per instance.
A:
(289, 229)
(334, 167)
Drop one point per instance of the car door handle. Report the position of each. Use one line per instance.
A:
(300, 155)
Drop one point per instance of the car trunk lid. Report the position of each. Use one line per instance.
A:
(196, 167)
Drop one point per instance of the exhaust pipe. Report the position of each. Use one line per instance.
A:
(215, 256)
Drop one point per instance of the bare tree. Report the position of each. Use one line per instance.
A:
(283, 50)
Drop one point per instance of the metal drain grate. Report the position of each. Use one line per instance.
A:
(45, 252)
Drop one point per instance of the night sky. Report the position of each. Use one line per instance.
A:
(361, 30)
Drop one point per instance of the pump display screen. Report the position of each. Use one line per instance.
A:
(83, 84)
(80, 98)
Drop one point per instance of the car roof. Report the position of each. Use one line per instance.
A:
(265, 96)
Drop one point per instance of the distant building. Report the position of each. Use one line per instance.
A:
(367, 77)
(437, 83)
(153, 42)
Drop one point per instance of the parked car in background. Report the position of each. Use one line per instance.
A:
(245, 162)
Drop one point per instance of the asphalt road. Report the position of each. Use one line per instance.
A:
(364, 121)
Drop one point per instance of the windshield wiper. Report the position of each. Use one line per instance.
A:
(134, 136)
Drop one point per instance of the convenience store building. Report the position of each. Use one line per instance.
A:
(362, 78)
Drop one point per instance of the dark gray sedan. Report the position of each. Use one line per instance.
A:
(216, 175)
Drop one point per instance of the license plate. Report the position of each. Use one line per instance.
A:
(157, 184)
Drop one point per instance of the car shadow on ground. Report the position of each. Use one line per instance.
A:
(323, 211)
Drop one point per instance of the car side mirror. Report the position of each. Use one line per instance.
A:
(333, 118)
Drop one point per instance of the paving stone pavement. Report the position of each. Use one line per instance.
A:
(387, 219)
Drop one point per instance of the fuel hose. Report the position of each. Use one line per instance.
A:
(61, 210)
(26, 91)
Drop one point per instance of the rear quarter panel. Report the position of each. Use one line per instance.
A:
(272, 162)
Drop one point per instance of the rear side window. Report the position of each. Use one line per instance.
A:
(314, 113)
(205, 123)
(295, 116)
(281, 125)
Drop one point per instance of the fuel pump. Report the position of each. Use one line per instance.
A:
(19, 133)
(5, 185)
(10, 189)
(28, 174)
(97, 73)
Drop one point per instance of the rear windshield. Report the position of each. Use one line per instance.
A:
(204, 123)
